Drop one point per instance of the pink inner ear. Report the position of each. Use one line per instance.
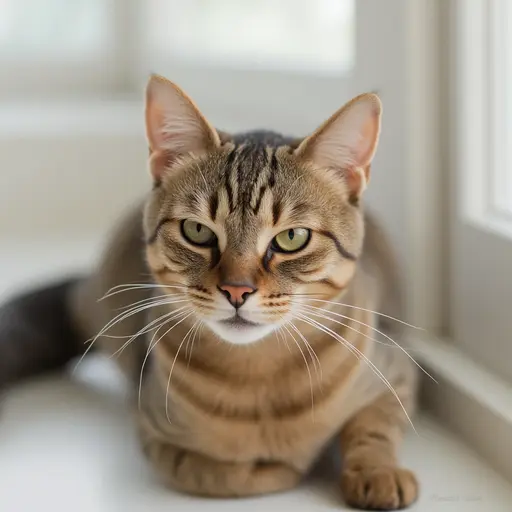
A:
(367, 141)
(174, 126)
(154, 124)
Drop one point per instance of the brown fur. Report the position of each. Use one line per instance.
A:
(222, 419)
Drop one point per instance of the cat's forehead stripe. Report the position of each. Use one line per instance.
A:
(249, 170)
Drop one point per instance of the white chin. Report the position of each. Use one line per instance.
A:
(240, 335)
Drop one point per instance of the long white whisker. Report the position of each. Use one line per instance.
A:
(280, 331)
(307, 368)
(155, 324)
(110, 324)
(367, 310)
(152, 345)
(380, 342)
(171, 370)
(121, 288)
(357, 352)
(309, 348)
(149, 300)
(279, 336)
(311, 310)
(142, 331)
(114, 321)
(127, 314)
(150, 327)
(200, 325)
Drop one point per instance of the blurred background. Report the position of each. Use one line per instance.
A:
(72, 147)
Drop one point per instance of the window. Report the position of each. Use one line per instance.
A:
(53, 29)
(481, 263)
(299, 35)
(57, 47)
(501, 66)
(67, 47)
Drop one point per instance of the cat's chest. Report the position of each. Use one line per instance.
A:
(264, 420)
(286, 415)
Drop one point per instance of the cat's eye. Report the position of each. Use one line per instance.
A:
(198, 234)
(291, 240)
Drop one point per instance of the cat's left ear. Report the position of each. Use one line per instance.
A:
(347, 141)
(174, 125)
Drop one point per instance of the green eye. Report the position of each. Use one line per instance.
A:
(291, 240)
(198, 234)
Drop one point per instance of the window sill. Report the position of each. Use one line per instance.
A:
(497, 223)
(470, 400)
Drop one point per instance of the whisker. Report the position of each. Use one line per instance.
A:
(152, 345)
(110, 324)
(280, 333)
(121, 288)
(357, 352)
(279, 338)
(199, 328)
(279, 341)
(310, 350)
(191, 343)
(127, 314)
(308, 370)
(304, 294)
(149, 327)
(152, 299)
(116, 320)
(172, 368)
(375, 340)
(369, 311)
(155, 324)
(310, 309)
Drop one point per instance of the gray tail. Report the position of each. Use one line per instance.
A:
(37, 334)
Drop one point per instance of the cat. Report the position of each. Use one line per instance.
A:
(252, 303)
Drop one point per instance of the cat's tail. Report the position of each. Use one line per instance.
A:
(36, 333)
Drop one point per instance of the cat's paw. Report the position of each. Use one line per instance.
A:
(379, 488)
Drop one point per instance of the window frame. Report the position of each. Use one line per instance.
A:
(480, 130)
(481, 235)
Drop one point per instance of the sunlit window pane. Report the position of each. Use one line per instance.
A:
(304, 35)
(502, 115)
(47, 29)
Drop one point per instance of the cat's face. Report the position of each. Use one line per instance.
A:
(251, 230)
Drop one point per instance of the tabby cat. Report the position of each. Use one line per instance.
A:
(252, 303)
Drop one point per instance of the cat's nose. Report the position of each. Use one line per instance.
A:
(236, 294)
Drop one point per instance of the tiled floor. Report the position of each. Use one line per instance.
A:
(69, 445)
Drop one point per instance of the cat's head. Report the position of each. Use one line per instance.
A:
(251, 230)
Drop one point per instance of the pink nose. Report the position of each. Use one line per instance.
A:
(236, 294)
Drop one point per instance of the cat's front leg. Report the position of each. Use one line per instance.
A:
(372, 478)
(198, 474)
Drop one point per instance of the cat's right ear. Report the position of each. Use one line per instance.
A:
(174, 126)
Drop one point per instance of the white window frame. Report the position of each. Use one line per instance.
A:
(481, 147)
(473, 394)
(481, 268)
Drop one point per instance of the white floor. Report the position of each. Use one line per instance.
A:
(69, 445)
